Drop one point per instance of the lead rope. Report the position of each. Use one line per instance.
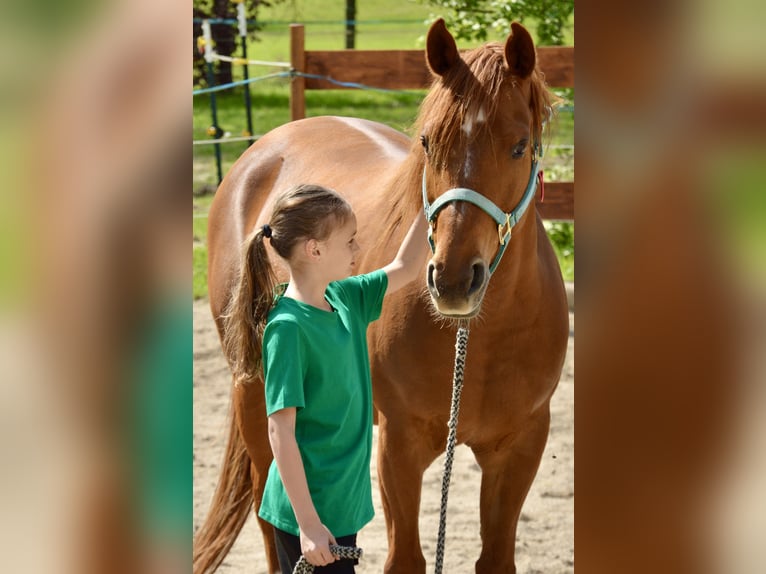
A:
(461, 344)
(303, 566)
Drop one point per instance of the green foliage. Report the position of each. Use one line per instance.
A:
(228, 9)
(736, 203)
(561, 234)
(203, 6)
(473, 19)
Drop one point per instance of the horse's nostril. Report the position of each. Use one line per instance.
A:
(430, 277)
(478, 278)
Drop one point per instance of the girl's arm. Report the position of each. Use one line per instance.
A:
(409, 262)
(315, 537)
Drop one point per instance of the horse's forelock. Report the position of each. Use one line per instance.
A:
(543, 104)
(476, 82)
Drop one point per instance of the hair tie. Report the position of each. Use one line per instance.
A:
(266, 230)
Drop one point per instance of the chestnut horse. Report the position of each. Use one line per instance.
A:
(479, 132)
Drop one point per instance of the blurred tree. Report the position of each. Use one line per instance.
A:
(472, 19)
(350, 24)
(224, 34)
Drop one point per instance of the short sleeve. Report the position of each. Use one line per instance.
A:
(284, 366)
(365, 293)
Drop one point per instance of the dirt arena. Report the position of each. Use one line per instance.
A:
(545, 542)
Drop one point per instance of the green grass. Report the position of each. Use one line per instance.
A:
(199, 281)
(201, 207)
(270, 98)
(199, 245)
(270, 108)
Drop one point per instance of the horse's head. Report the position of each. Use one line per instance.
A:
(480, 126)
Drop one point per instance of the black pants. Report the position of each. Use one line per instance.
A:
(289, 551)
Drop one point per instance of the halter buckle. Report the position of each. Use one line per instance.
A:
(502, 234)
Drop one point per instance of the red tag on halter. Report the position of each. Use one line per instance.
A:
(541, 185)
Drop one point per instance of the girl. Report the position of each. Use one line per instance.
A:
(311, 343)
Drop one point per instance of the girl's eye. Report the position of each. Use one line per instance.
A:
(519, 149)
(424, 143)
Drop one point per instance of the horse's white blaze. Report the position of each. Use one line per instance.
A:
(467, 126)
(471, 119)
(468, 165)
(478, 118)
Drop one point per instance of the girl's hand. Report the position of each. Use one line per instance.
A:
(315, 545)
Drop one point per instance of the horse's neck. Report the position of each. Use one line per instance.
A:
(402, 199)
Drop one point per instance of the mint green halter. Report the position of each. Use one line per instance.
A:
(505, 221)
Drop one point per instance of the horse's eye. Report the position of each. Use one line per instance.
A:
(519, 149)
(424, 142)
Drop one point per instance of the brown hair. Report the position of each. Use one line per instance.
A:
(299, 213)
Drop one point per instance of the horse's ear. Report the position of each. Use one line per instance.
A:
(520, 51)
(441, 50)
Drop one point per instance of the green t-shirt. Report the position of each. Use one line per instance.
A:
(317, 361)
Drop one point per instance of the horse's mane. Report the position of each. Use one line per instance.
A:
(476, 81)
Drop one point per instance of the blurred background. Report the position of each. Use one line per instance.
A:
(670, 207)
(96, 286)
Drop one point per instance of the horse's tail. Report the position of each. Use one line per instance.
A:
(229, 509)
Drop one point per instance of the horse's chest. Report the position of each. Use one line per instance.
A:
(501, 391)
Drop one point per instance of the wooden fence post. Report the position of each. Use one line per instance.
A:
(298, 63)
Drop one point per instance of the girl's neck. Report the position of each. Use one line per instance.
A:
(306, 289)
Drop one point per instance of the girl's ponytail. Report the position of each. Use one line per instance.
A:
(302, 212)
(245, 317)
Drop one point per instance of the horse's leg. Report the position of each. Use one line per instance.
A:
(267, 530)
(507, 474)
(250, 409)
(405, 449)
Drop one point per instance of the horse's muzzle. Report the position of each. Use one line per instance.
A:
(458, 295)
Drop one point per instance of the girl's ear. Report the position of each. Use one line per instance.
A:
(311, 249)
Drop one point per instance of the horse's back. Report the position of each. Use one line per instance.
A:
(350, 155)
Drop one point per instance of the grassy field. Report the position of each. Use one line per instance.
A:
(389, 25)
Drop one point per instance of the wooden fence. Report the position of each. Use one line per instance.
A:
(407, 69)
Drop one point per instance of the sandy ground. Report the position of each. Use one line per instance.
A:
(545, 541)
